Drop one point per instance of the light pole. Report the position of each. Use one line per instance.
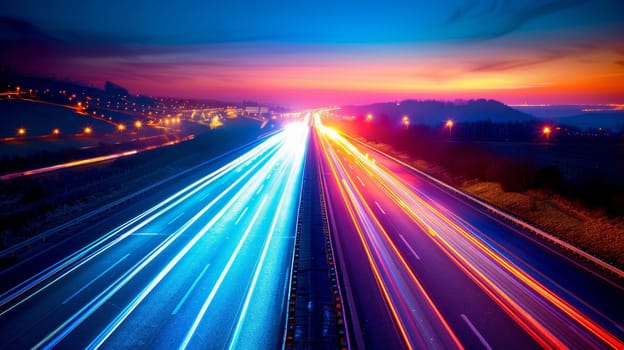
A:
(449, 124)
(138, 125)
(547, 131)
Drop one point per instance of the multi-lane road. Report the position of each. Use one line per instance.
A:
(426, 268)
(206, 267)
(208, 264)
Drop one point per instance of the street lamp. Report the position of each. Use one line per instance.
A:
(138, 126)
(21, 131)
(405, 121)
(449, 124)
(369, 117)
(547, 131)
(88, 130)
(55, 131)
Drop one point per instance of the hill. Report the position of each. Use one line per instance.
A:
(437, 112)
(39, 118)
(613, 121)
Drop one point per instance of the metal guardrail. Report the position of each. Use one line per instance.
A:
(343, 335)
(43, 236)
(507, 216)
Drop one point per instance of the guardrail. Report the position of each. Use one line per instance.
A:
(43, 236)
(507, 216)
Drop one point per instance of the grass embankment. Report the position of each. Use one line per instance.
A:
(31, 205)
(591, 231)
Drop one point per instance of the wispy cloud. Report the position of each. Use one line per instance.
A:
(492, 19)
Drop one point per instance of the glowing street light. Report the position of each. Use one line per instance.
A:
(547, 131)
(405, 121)
(121, 127)
(449, 124)
(138, 126)
(369, 117)
(88, 130)
(21, 131)
(55, 131)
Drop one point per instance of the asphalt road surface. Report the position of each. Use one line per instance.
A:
(206, 267)
(426, 268)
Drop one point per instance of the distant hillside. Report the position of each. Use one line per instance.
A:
(437, 112)
(41, 118)
(594, 120)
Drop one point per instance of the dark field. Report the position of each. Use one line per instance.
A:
(575, 161)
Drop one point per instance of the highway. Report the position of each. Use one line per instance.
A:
(206, 267)
(423, 267)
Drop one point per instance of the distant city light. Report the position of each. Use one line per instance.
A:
(21, 131)
(138, 124)
(369, 117)
(121, 127)
(547, 131)
(56, 131)
(88, 130)
(449, 124)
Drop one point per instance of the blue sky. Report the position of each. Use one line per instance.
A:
(186, 40)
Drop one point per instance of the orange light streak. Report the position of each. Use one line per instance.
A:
(358, 197)
(529, 323)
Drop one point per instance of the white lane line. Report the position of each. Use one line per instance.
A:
(476, 332)
(241, 216)
(188, 292)
(260, 188)
(204, 196)
(362, 182)
(148, 234)
(379, 206)
(95, 279)
(409, 246)
(176, 218)
(222, 276)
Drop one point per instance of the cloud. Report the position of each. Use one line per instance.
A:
(495, 19)
(16, 29)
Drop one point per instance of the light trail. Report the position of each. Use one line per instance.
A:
(546, 316)
(284, 150)
(87, 161)
(84, 255)
(420, 323)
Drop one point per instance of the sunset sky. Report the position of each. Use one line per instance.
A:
(312, 53)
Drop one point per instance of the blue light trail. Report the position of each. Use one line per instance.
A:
(189, 265)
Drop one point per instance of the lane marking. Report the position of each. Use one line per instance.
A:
(379, 206)
(362, 182)
(176, 218)
(188, 292)
(204, 196)
(149, 234)
(409, 246)
(241, 216)
(95, 279)
(260, 188)
(222, 276)
(476, 332)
